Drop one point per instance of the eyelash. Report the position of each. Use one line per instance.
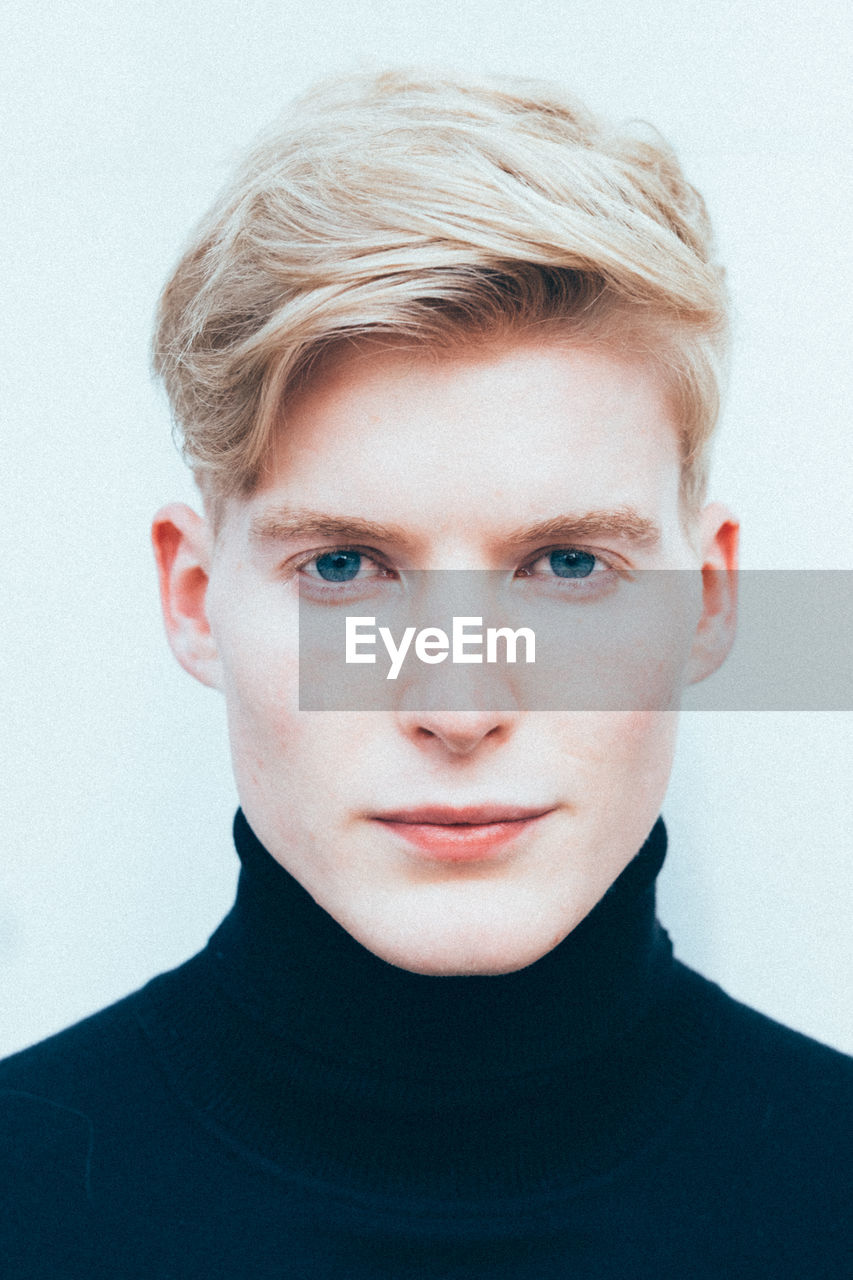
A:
(549, 551)
(326, 588)
(336, 592)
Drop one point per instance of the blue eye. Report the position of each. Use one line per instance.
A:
(572, 564)
(342, 575)
(338, 566)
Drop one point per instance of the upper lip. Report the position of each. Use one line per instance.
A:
(472, 815)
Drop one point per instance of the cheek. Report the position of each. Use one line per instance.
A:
(273, 742)
(624, 753)
(261, 688)
(646, 731)
(643, 753)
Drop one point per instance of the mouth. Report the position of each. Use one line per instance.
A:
(469, 834)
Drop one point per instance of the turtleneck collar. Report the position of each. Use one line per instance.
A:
(286, 959)
(300, 1046)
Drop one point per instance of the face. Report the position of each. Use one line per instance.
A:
(465, 841)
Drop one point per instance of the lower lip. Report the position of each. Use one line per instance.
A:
(462, 842)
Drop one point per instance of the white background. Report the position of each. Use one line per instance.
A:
(121, 121)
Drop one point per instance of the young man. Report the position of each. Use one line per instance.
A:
(432, 327)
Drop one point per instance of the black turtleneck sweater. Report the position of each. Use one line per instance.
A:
(286, 1104)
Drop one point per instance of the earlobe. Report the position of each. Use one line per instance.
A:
(182, 549)
(715, 631)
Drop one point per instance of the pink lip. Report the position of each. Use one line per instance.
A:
(461, 835)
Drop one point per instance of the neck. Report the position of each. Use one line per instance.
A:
(309, 1048)
(310, 978)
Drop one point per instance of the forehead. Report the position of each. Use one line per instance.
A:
(484, 432)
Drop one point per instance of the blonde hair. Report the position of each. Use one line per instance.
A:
(433, 210)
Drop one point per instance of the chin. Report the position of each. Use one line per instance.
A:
(467, 965)
(446, 951)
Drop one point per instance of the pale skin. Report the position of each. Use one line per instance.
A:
(450, 458)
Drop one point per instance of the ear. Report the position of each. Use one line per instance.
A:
(182, 547)
(715, 632)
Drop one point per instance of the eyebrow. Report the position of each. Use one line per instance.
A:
(279, 526)
(622, 523)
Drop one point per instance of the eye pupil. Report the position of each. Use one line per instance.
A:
(572, 564)
(338, 566)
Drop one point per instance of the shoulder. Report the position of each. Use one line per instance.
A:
(80, 1114)
(60, 1097)
(773, 1059)
(63, 1064)
(798, 1083)
(50, 1091)
(772, 1127)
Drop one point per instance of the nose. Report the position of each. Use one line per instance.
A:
(454, 710)
(456, 733)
